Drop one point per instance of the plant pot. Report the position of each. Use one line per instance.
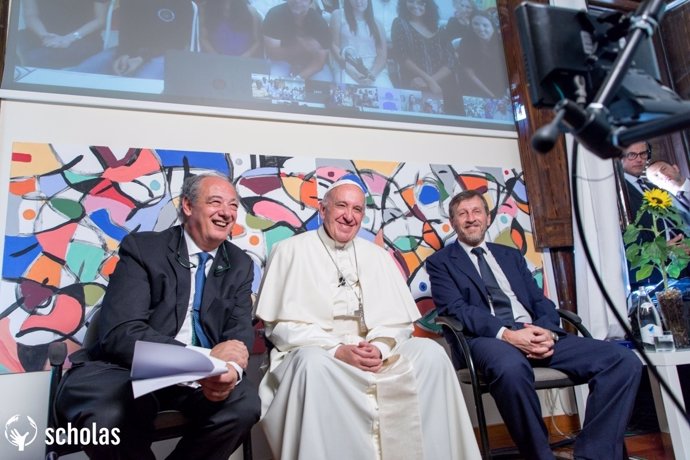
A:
(670, 304)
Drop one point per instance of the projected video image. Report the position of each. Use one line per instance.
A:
(421, 61)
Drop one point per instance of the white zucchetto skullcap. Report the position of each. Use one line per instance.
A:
(340, 182)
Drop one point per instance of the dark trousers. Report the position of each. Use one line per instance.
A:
(613, 373)
(100, 393)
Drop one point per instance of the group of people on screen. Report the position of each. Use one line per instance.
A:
(445, 49)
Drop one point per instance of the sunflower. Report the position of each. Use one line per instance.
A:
(657, 199)
(646, 246)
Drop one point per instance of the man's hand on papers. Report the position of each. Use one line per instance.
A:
(364, 356)
(219, 387)
(159, 365)
(232, 350)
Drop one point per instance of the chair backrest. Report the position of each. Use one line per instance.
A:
(91, 334)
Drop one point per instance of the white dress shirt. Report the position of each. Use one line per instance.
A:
(520, 313)
(184, 335)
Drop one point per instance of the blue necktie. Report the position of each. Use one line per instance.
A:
(503, 310)
(198, 334)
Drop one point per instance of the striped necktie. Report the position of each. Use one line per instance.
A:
(498, 299)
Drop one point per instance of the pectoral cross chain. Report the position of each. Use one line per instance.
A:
(359, 315)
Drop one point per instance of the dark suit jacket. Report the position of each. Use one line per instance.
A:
(148, 296)
(635, 202)
(458, 289)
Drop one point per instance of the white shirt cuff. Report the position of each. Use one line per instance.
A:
(499, 336)
(239, 370)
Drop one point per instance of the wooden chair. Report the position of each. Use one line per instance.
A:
(544, 378)
(168, 424)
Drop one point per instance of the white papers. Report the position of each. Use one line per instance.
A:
(158, 365)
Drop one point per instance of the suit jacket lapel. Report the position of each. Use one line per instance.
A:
(213, 282)
(183, 278)
(465, 265)
(512, 276)
(502, 262)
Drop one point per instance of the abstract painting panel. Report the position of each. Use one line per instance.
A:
(69, 207)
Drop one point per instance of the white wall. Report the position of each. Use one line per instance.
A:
(30, 121)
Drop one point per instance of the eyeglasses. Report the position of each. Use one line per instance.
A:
(634, 155)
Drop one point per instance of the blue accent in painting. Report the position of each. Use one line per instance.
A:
(313, 222)
(428, 194)
(102, 219)
(198, 160)
(20, 252)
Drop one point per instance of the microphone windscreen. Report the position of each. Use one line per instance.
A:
(57, 352)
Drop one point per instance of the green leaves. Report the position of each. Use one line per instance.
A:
(647, 248)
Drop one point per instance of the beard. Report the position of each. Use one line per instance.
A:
(471, 238)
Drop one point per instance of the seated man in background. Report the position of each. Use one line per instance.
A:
(668, 177)
(297, 40)
(513, 328)
(159, 293)
(147, 29)
(347, 380)
(60, 33)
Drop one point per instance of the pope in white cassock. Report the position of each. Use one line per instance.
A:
(347, 380)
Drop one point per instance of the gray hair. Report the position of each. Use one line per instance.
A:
(190, 189)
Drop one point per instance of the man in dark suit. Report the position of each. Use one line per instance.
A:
(151, 297)
(513, 328)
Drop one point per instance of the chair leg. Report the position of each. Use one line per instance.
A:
(247, 448)
(481, 424)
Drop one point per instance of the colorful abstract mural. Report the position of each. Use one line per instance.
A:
(70, 206)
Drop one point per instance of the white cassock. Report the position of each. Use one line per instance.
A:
(315, 406)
